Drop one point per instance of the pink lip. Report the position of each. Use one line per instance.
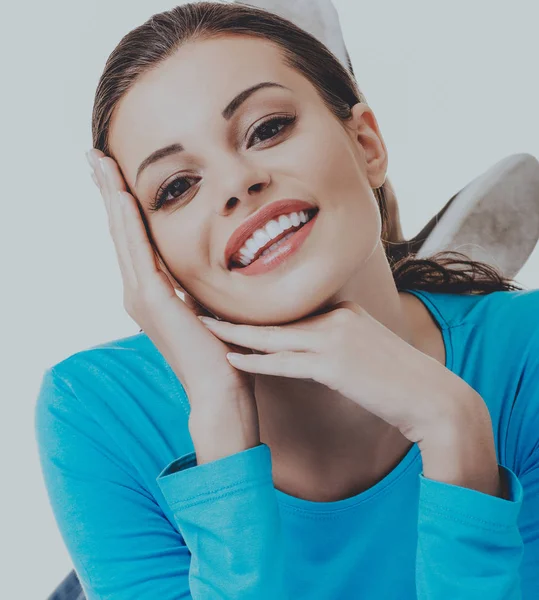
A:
(281, 254)
(259, 219)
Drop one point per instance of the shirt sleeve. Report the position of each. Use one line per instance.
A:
(469, 543)
(474, 545)
(228, 514)
(121, 543)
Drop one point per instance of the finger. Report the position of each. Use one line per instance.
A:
(103, 175)
(353, 306)
(117, 227)
(296, 365)
(101, 165)
(113, 176)
(268, 338)
(142, 255)
(94, 179)
(97, 175)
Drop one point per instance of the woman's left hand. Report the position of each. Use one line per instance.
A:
(352, 353)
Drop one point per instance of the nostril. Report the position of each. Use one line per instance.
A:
(231, 202)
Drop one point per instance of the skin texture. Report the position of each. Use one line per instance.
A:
(324, 447)
(395, 233)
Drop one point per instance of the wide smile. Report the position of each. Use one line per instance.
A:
(277, 252)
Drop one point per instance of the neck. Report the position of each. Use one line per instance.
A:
(310, 427)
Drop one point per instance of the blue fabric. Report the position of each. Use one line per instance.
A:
(141, 519)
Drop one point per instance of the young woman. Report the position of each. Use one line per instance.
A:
(375, 433)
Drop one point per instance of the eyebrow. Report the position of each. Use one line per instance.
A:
(227, 114)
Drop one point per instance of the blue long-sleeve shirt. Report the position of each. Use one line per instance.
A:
(141, 520)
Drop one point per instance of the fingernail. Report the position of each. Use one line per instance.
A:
(207, 320)
(90, 157)
(102, 165)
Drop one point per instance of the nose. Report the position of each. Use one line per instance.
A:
(240, 179)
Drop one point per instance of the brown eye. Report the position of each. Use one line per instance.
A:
(175, 188)
(271, 128)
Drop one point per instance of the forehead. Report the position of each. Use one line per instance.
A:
(188, 91)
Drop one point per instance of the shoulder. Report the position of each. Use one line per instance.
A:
(502, 331)
(512, 333)
(119, 393)
(493, 344)
(506, 313)
(513, 317)
(518, 306)
(123, 362)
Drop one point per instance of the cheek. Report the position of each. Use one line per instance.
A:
(334, 174)
(179, 246)
(327, 162)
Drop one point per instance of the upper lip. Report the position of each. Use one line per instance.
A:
(259, 219)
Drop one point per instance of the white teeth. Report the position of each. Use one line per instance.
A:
(271, 230)
(295, 218)
(261, 237)
(284, 222)
(274, 247)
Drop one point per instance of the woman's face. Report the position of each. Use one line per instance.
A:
(230, 168)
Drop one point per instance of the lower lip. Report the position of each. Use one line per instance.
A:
(271, 261)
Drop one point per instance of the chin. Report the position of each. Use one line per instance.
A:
(306, 292)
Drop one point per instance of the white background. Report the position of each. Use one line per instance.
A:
(454, 87)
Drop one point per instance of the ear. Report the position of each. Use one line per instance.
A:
(365, 129)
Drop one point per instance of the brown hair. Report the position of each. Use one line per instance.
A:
(143, 48)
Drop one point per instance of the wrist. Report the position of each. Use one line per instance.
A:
(221, 429)
(463, 453)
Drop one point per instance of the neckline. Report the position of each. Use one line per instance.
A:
(413, 454)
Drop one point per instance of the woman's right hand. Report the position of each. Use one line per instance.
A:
(224, 417)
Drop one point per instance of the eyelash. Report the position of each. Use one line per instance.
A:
(162, 193)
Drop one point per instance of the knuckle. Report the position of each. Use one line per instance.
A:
(339, 328)
(341, 316)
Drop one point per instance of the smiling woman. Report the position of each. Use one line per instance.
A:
(369, 421)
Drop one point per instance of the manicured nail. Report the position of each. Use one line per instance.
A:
(90, 157)
(207, 320)
(102, 166)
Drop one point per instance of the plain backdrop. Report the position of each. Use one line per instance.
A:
(454, 87)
